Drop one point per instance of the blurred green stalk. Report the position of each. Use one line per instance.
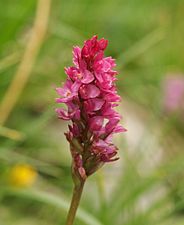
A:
(29, 57)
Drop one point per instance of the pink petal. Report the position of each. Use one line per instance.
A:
(76, 55)
(112, 97)
(111, 124)
(64, 100)
(75, 87)
(119, 129)
(106, 66)
(60, 91)
(62, 114)
(98, 57)
(96, 123)
(103, 44)
(94, 104)
(88, 77)
(89, 91)
(72, 72)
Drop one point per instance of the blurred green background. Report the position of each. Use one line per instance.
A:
(146, 186)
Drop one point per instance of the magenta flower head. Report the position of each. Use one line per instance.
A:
(90, 96)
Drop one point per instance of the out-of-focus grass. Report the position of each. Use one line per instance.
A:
(145, 186)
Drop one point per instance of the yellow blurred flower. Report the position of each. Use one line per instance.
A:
(22, 175)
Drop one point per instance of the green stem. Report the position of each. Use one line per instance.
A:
(77, 192)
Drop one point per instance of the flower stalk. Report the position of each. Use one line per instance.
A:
(77, 192)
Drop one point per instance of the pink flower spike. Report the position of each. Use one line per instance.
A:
(90, 96)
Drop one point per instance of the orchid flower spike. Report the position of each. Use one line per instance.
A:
(90, 96)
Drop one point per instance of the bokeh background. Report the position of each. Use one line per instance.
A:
(146, 186)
